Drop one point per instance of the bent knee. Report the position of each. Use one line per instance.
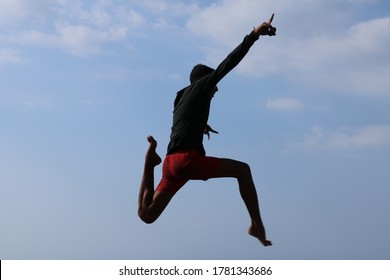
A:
(244, 169)
(146, 217)
(148, 220)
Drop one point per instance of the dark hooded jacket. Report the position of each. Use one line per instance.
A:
(192, 104)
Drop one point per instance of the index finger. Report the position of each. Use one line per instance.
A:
(271, 19)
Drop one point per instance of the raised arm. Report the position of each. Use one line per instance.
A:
(234, 58)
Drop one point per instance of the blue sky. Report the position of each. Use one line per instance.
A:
(82, 83)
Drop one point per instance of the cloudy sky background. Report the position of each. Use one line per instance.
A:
(82, 83)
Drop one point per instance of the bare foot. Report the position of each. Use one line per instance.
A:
(152, 158)
(259, 233)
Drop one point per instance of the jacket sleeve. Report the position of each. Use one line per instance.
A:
(233, 59)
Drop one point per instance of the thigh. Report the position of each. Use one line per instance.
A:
(231, 168)
(163, 194)
(202, 167)
(160, 202)
(171, 184)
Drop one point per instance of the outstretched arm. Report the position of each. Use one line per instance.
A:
(234, 58)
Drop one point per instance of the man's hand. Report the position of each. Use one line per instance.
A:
(266, 28)
(207, 131)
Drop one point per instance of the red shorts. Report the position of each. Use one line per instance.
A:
(179, 168)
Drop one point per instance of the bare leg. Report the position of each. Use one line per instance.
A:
(152, 159)
(241, 171)
(151, 203)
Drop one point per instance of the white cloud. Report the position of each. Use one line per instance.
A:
(79, 40)
(166, 15)
(169, 8)
(355, 61)
(321, 44)
(40, 102)
(371, 136)
(73, 26)
(12, 12)
(342, 54)
(8, 56)
(83, 40)
(284, 104)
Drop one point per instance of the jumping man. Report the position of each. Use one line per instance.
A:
(186, 157)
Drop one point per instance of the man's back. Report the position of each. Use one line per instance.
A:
(190, 116)
(192, 104)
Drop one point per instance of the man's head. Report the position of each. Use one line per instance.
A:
(199, 71)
